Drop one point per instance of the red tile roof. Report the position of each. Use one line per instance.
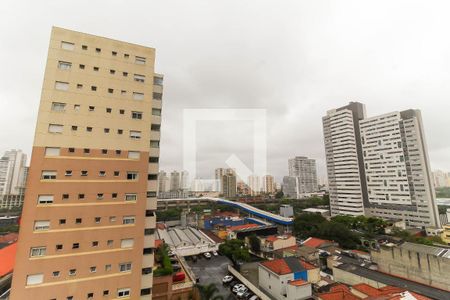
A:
(366, 289)
(280, 267)
(298, 282)
(7, 259)
(340, 287)
(273, 238)
(339, 295)
(315, 242)
(240, 227)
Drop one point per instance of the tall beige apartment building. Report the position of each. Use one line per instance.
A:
(88, 221)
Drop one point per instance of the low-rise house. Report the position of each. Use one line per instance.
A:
(319, 243)
(288, 278)
(273, 244)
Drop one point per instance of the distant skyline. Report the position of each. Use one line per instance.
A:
(295, 59)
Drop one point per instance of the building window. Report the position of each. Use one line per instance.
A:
(74, 128)
(91, 108)
(61, 86)
(136, 115)
(72, 272)
(100, 196)
(147, 251)
(130, 197)
(64, 65)
(93, 269)
(109, 243)
(114, 195)
(55, 128)
(125, 74)
(35, 279)
(104, 151)
(65, 196)
(62, 221)
(125, 267)
(134, 154)
(58, 106)
(84, 173)
(118, 152)
(128, 220)
(123, 92)
(84, 47)
(123, 293)
(93, 88)
(95, 244)
(106, 130)
(154, 144)
(114, 53)
(126, 243)
(112, 72)
(116, 173)
(97, 220)
(52, 151)
(37, 251)
(119, 131)
(48, 175)
(56, 273)
(153, 159)
(156, 111)
(135, 135)
(126, 55)
(149, 213)
(76, 107)
(105, 292)
(121, 111)
(59, 247)
(110, 90)
(151, 194)
(89, 129)
(96, 69)
(146, 291)
(68, 173)
(98, 50)
(80, 196)
(45, 199)
(79, 86)
(108, 110)
(157, 80)
(157, 96)
(132, 175)
(149, 231)
(138, 96)
(139, 78)
(75, 245)
(41, 225)
(102, 173)
(108, 267)
(81, 66)
(78, 220)
(155, 127)
(152, 177)
(140, 60)
(67, 45)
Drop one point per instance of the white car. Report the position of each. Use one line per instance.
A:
(237, 287)
(215, 253)
(227, 279)
(241, 292)
(207, 255)
(254, 297)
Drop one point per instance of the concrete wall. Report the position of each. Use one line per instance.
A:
(352, 279)
(247, 283)
(420, 267)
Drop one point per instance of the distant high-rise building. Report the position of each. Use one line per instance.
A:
(88, 221)
(254, 185)
(379, 165)
(268, 184)
(305, 170)
(218, 174)
(175, 181)
(13, 172)
(163, 182)
(229, 185)
(185, 183)
(290, 187)
(441, 179)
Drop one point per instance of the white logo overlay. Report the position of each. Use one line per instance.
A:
(257, 116)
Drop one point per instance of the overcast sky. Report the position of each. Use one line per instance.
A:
(296, 59)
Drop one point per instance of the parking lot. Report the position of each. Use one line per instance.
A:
(212, 271)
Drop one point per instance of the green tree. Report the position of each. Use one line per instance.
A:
(208, 292)
(279, 195)
(255, 243)
(339, 233)
(234, 250)
(306, 225)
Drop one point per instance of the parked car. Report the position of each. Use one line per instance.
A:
(238, 287)
(247, 295)
(254, 297)
(176, 267)
(233, 283)
(227, 279)
(180, 276)
(215, 253)
(241, 292)
(207, 255)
